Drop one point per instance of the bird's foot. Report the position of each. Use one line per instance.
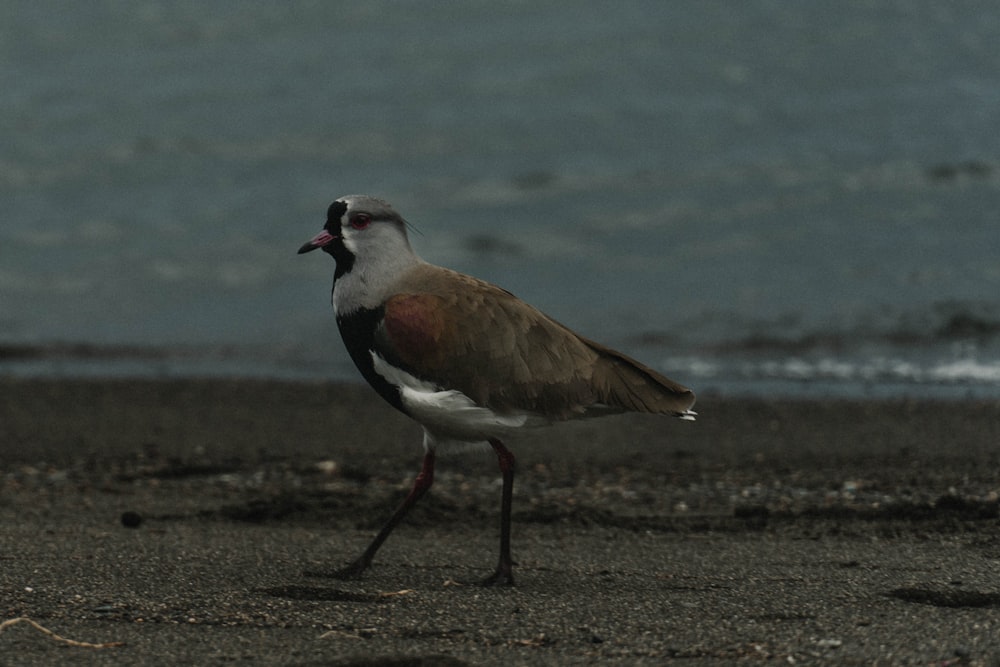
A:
(352, 571)
(502, 577)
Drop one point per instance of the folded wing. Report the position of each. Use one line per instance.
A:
(457, 332)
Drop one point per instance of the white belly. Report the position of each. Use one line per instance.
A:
(448, 414)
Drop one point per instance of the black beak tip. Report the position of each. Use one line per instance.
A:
(308, 247)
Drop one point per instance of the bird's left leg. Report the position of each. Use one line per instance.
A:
(504, 573)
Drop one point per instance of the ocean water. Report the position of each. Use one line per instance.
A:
(759, 197)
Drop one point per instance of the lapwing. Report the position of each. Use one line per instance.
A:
(467, 360)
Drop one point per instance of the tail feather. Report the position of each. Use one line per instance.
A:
(625, 383)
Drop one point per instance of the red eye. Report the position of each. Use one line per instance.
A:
(361, 220)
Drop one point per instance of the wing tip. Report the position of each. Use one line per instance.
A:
(687, 415)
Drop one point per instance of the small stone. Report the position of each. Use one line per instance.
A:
(131, 519)
(327, 467)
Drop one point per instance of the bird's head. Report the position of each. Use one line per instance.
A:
(361, 229)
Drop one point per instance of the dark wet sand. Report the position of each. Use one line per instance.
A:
(857, 533)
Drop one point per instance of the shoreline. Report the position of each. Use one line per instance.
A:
(766, 372)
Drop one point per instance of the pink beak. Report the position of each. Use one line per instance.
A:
(324, 238)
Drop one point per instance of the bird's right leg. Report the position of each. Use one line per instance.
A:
(421, 484)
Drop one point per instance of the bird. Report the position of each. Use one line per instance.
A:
(467, 360)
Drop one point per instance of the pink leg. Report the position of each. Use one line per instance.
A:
(504, 573)
(421, 484)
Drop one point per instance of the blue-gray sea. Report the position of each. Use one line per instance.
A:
(755, 197)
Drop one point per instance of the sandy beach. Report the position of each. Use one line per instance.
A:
(181, 518)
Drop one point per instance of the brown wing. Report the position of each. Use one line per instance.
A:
(459, 332)
(630, 385)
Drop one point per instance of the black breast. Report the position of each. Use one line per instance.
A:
(358, 331)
